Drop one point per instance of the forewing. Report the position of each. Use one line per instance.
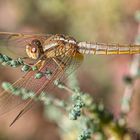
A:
(67, 63)
(14, 44)
(9, 101)
(56, 72)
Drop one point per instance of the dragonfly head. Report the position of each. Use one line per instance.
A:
(34, 50)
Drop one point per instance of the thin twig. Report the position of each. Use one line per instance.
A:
(129, 88)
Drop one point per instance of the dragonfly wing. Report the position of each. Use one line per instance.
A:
(71, 63)
(23, 111)
(14, 44)
(8, 101)
(56, 72)
(75, 62)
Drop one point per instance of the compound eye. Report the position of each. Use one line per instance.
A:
(36, 42)
(34, 50)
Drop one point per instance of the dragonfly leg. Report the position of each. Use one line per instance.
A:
(40, 64)
(25, 58)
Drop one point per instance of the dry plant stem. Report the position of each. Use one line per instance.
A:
(68, 89)
(129, 88)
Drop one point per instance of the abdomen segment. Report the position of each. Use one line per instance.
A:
(107, 49)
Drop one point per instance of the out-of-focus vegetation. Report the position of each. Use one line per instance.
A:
(90, 20)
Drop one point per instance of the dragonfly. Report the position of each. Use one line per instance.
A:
(60, 53)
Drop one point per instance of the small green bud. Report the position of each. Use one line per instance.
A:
(34, 68)
(38, 75)
(6, 86)
(6, 58)
(25, 68)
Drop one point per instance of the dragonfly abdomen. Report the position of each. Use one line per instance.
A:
(107, 49)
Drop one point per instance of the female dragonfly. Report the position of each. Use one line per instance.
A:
(59, 53)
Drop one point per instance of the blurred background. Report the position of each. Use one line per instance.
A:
(101, 76)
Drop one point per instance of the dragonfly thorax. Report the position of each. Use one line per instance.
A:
(58, 45)
(57, 40)
(64, 38)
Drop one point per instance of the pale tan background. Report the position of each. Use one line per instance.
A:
(90, 20)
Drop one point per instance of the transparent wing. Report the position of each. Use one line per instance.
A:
(44, 83)
(69, 63)
(72, 61)
(13, 44)
(8, 101)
